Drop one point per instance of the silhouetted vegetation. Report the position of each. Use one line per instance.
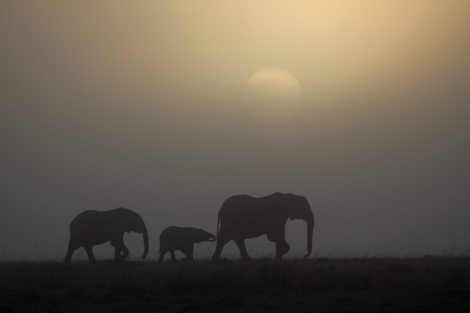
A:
(429, 284)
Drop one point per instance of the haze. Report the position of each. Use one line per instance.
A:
(144, 105)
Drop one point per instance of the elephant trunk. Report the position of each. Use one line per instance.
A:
(145, 236)
(310, 224)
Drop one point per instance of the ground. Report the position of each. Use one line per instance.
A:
(428, 284)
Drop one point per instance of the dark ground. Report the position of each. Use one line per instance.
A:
(429, 284)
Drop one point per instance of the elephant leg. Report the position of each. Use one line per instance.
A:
(173, 257)
(188, 252)
(120, 250)
(241, 246)
(71, 249)
(117, 250)
(91, 256)
(282, 247)
(278, 237)
(125, 252)
(117, 254)
(221, 241)
(162, 256)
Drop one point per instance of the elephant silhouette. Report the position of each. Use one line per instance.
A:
(175, 238)
(91, 228)
(243, 216)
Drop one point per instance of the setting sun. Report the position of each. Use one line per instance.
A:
(274, 83)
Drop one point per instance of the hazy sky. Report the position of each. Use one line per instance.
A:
(149, 105)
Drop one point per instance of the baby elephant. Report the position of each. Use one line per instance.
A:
(181, 238)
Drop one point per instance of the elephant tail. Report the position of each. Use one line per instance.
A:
(218, 225)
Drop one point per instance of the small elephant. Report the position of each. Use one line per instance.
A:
(175, 238)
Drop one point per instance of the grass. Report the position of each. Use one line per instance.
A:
(428, 284)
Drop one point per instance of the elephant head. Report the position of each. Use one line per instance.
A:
(298, 208)
(200, 235)
(134, 222)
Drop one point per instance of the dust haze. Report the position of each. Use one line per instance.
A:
(144, 105)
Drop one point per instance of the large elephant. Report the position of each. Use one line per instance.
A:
(175, 238)
(91, 228)
(242, 217)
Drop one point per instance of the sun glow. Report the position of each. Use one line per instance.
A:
(274, 83)
(335, 48)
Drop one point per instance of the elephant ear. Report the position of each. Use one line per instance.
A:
(121, 218)
(186, 234)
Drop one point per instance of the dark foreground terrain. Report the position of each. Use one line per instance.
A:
(429, 284)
